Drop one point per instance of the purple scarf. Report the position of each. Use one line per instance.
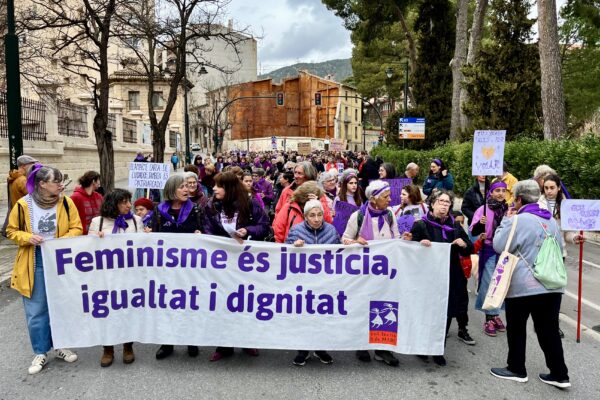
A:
(121, 223)
(366, 230)
(443, 227)
(147, 218)
(534, 208)
(185, 211)
(31, 177)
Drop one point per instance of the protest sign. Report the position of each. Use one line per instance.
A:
(405, 223)
(144, 175)
(396, 186)
(343, 211)
(304, 148)
(488, 153)
(337, 145)
(187, 289)
(580, 215)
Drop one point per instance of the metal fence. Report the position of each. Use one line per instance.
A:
(129, 130)
(112, 126)
(72, 119)
(33, 119)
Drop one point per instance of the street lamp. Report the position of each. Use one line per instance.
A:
(188, 153)
(389, 72)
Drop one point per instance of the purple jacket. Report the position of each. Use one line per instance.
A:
(257, 227)
(266, 188)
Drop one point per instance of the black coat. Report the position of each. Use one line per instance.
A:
(193, 223)
(369, 171)
(472, 200)
(458, 297)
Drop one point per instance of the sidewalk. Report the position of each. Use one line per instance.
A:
(8, 250)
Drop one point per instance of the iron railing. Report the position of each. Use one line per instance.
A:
(129, 131)
(33, 119)
(72, 119)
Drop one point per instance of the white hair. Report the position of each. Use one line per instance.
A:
(542, 171)
(312, 204)
(374, 187)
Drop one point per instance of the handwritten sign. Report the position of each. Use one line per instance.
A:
(146, 175)
(580, 215)
(337, 145)
(304, 148)
(340, 167)
(488, 152)
(343, 211)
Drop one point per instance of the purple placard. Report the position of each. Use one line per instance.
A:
(405, 223)
(396, 186)
(343, 211)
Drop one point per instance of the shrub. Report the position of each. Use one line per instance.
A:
(576, 161)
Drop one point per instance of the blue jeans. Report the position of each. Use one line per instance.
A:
(485, 278)
(36, 310)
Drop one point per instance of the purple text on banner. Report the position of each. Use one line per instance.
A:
(343, 211)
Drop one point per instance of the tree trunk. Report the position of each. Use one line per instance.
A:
(473, 53)
(460, 56)
(553, 103)
(159, 142)
(412, 51)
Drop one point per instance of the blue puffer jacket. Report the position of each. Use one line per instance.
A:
(326, 234)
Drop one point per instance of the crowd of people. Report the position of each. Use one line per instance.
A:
(290, 198)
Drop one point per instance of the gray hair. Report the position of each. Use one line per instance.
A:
(259, 171)
(190, 174)
(375, 186)
(411, 165)
(45, 174)
(437, 193)
(309, 205)
(310, 172)
(172, 185)
(325, 176)
(543, 170)
(528, 191)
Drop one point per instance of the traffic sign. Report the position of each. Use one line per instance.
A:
(411, 128)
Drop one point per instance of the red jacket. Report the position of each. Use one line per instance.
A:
(290, 215)
(88, 206)
(286, 194)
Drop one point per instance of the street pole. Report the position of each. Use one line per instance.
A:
(186, 122)
(405, 89)
(13, 88)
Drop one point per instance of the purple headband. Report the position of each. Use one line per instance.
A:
(379, 191)
(350, 176)
(437, 162)
(31, 177)
(496, 185)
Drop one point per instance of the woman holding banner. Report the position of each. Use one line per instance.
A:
(439, 226)
(177, 214)
(44, 213)
(373, 221)
(114, 216)
(485, 220)
(231, 213)
(312, 231)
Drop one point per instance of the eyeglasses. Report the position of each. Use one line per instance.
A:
(444, 202)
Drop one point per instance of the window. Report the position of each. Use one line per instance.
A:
(356, 115)
(355, 133)
(133, 100)
(158, 101)
(346, 95)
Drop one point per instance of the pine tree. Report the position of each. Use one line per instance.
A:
(504, 83)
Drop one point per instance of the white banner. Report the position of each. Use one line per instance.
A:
(211, 291)
(146, 175)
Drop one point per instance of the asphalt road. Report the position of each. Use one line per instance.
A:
(272, 376)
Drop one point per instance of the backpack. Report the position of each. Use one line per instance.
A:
(549, 266)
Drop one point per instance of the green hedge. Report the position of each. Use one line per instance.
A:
(576, 161)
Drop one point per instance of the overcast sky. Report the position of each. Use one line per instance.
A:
(295, 31)
(292, 31)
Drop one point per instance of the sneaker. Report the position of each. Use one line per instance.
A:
(440, 360)
(504, 373)
(301, 357)
(489, 328)
(38, 363)
(465, 337)
(193, 351)
(386, 357)
(500, 327)
(65, 354)
(363, 355)
(549, 379)
(323, 356)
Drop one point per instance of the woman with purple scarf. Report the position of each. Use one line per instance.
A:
(177, 214)
(439, 226)
(116, 217)
(485, 220)
(373, 221)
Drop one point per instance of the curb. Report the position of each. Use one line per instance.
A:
(585, 330)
